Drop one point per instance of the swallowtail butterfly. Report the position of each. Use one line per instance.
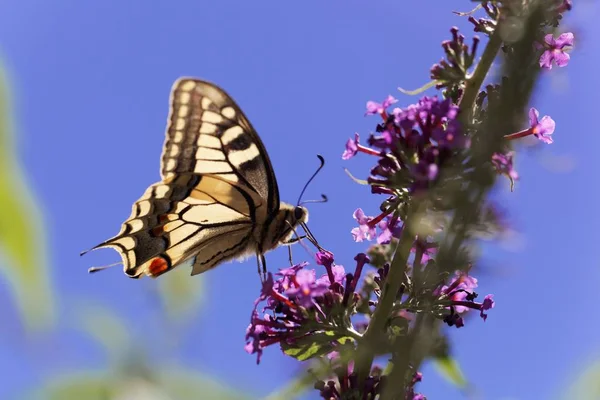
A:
(218, 198)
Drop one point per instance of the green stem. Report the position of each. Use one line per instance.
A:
(401, 361)
(350, 332)
(473, 86)
(416, 270)
(474, 82)
(385, 304)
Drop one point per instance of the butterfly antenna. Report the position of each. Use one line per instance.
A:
(322, 160)
(324, 199)
(102, 268)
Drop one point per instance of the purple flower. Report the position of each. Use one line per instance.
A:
(415, 142)
(288, 298)
(454, 319)
(325, 257)
(351, 148)
(488, 303)
(428, 250)
(363, 231)
(379, 108)
(555, 50)
(460, 289)
(503, 163)
(542, 129)
(253, 337)
(287, 277)
(361, 259)
(424, 172)
(390, 227)
(306, 289)
(566, 5)
(339, 275)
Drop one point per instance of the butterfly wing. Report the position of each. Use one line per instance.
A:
(207, 133)
(204, 218)
(218, 187)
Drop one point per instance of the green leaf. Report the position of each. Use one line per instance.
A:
(181, 294)
(169, 384)
(307, 352)
(359, 181)
(293, 389)
(450, 370)
(183, 384)
(302, 383)
(22, 236)
(107, 329)
(310, 346)
(91, 385)
(419, 90)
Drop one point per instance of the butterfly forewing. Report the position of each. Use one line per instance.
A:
(207, 133)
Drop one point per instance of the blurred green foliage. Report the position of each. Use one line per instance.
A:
(449, 369)
(133, 371)
(180, 294)
(24, 260)
(586, 385)
(129, 373)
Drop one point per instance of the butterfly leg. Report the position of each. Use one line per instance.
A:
(262, 271)
(290, 242)
(294, 240)
(258, 268)
(264, 266)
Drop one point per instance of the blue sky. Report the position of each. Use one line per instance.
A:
(91, 83)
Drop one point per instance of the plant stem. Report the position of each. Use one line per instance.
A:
(386, 302)
(396, 274)
(475, 81)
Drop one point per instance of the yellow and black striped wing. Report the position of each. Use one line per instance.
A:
(207, 133)
(202, 219)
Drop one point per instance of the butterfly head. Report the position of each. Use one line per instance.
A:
(284, 226)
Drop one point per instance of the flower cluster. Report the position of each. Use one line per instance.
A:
(460, 295)
(388, 228)
(451, 73)
(298, 304)
(346, 382)
(412, 144)
(419, 266)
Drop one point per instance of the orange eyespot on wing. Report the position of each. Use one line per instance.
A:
(158, 266)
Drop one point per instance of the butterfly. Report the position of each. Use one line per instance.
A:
(218, 199)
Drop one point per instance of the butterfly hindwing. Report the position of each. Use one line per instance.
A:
(207, 133)
(205, 217)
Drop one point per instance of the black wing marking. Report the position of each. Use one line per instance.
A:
(207, 133)
(205, 217)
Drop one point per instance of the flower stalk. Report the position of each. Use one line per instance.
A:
(389, 294)
(435, 162)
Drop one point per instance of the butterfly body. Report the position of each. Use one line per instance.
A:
(218, 199)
